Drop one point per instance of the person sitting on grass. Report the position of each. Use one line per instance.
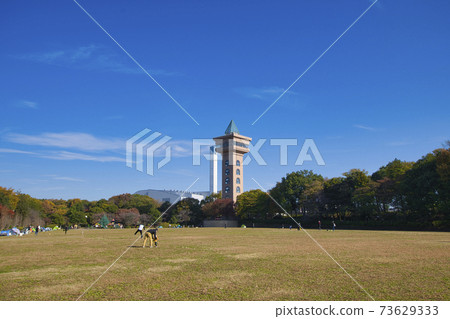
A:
(151, 236)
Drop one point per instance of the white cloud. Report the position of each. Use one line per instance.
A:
(90, 143)
(69, 179)
(364, 127)
(113, 117)
(91, 57)
(179, 148)
(262, 93)
(71, 140)
(14, 151)
(399, 143)
(67, 156)
(27, 104)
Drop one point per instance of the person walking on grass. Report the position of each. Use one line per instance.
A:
(37, 230)
(320, 225)
(140, 229)
(334, 226)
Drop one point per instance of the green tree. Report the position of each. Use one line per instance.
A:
(364, 200)
(104, 221)
(389, 193)
(121, 201)
(356, 178)
(28, 206)
(254, 204)
(76, 217)
(211, 198)
(188, 211)
(168, 210)
(426, 186)
(314, 200)
(144, 204)
(443, 170)
(57, 219)
(290, 192)
(337, 197)
(394, 170)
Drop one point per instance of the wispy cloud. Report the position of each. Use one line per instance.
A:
(65, 155)
(66, 178)
(334, 137)
(179, 148)
(183, 172)
(90, 57)
(27, 104)
(14, 151)
(6, 171)
(399, 143)
(364, 127)
(99, 148)
(261, 93)
(70, 140)
(68, 156)
(90, 143)
(113, 117)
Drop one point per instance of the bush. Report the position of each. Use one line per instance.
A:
(441, 224)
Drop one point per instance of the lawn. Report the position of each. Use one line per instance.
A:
(226, 264)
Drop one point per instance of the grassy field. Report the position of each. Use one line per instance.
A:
(226, 264)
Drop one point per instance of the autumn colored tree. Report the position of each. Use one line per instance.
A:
(8, 198)
(220, 208)
(127, 217)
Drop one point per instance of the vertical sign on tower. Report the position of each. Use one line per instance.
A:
(213, 170)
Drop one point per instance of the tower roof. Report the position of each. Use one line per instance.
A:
(232, 128)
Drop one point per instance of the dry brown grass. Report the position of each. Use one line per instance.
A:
(226, 264)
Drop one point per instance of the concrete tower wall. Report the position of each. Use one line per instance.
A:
(232, 146)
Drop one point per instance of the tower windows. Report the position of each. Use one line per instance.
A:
(227, 189)
(227, 180)
(227, 171)
(238, 189)
(238, 172)
(227, 163)
(238, 180)
(238, 163)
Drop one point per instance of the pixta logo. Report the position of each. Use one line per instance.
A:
(309, 152)
(147, 147)
(142, 142)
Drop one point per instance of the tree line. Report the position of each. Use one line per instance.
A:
(399, 195)
(18, 209)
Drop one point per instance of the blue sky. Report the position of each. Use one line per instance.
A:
(70, 97)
